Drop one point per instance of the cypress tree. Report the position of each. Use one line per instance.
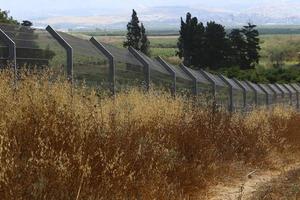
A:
(133, 36)
(198, 48)
(238, 47)
(211, 47)
(252, 46)
(180, 42)
(184, 43)
(216, 46)
(145, 43)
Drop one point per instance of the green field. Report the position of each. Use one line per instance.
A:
(288, 45)
(272, 44)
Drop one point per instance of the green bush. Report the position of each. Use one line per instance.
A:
(264, 75)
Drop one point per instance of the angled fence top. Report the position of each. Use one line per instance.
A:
(80, 46)
(256, 87)
(122, 55)
(245, 85)
(96, 63)
(25, 37)
(232, 83)
(199, 77)
(154, 65)
(296, 86)
(216, 79)
(180, 73)
(282, 88)
(266, 88)
(34, 46)
(290, 88)
(275, 89)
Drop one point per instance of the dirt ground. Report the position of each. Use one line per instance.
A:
(281, 181)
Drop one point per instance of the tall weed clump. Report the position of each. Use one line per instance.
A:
(61, 142)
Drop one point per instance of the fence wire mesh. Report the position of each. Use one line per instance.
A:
(237, 93)
(37, 47)
(160, 78)
(4, 54)
(89, 64)
(285, 93)
(270, 94)
(250, 95)
(260, 95)
(129, 71)
(184, 83)
(221, 90)
(293, 94)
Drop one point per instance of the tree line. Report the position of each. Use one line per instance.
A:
(211, 47)
(202, 46)
(234, 53)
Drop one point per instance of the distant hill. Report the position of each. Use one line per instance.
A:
(168, 17)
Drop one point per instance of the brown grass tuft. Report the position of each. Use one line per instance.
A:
(59, 142)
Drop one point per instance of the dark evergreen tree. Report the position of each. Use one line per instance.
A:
(216, 46)
(145, 43)
(238, 52)
(133, 32)
(198, 46)
(211, 47)
(252, 47)
(185, 40)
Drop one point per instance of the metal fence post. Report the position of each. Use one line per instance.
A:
(244, 91)
(291, 94)
(146, 65)
(231, 106)
(112, 67)
(297, 97)
(171, 71)
(271, 88)
(282, 92)
(214, 89)
(255, 92)
(68, 49)
(184, 68)
(267, 94)
(12, 54)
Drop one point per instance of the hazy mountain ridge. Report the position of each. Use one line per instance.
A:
(283, 13)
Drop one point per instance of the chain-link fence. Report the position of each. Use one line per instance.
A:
(109, 68)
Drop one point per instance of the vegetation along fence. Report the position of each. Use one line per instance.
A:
(107, 67)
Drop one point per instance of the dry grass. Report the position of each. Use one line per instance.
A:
(285, 187)
(59, 142)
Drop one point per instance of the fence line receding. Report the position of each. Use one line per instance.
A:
(107, 67)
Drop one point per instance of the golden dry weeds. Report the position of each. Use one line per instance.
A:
(59, 142)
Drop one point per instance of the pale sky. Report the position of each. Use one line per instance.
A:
(41, 8)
